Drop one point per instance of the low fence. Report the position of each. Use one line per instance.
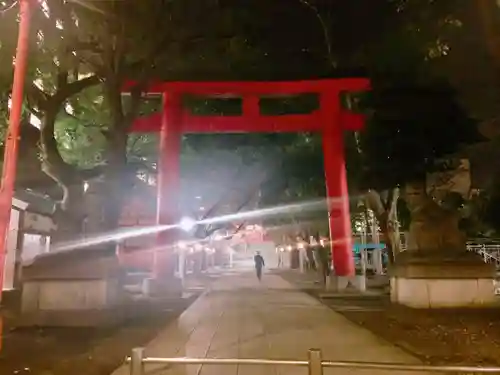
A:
(490, 253)
(315, 364)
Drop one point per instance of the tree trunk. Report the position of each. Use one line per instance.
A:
(116, 180)
(94, 202)
(68, 215)
(387, 217)
(488, 21)
(393, 223)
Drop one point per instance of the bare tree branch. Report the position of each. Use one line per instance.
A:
(325, 29)
(74, 88)
(36, 96)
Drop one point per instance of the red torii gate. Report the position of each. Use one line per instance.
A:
(330, 119)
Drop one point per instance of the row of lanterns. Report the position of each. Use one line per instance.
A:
(194, 248)
(300, 245)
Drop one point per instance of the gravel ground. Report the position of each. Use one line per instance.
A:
(72, 351)
(436, 336)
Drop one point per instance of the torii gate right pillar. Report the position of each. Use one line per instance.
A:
(339, 218)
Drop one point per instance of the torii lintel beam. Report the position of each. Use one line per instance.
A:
(251, 120)
(239, 124)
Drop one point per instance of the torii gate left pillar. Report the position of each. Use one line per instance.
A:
(330, 120)
(168, 185)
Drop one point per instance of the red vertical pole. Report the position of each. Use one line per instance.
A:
(168, 183)
(251, 107)
(13, 132)
(336, 186)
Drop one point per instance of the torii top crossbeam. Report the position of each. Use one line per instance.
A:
(251, 120)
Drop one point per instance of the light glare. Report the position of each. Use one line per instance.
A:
(187, 224)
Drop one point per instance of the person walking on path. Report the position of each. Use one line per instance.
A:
(259, 264)
(280, 250)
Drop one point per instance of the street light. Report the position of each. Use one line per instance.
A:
(187, 224)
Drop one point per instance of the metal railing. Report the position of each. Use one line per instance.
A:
(490, 253)
(315, 364)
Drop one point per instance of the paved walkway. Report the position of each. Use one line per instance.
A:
(238, 317)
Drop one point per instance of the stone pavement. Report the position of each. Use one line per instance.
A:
(238, 317)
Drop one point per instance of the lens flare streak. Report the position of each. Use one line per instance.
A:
(123, 234)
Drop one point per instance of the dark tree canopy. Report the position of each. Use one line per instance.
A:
(402, 45)
(409, 129)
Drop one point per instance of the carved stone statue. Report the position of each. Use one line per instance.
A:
(437, 270)
(432, 228)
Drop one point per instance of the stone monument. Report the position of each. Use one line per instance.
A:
(438, 271)
(82, 287)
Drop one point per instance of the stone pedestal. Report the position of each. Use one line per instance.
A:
(442, 280)
(76, 288)
(341, 283)
(169, 288)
